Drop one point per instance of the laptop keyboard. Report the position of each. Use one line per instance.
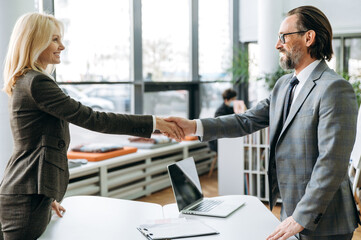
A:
(206, 205)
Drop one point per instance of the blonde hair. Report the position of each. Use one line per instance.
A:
(31, 35)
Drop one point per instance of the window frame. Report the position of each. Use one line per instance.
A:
(342, 38)
(136, 74)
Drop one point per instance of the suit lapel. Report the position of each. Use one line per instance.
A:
(304, 93)
(279, 109)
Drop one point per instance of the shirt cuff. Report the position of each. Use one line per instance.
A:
(199, 129)
(154, 123)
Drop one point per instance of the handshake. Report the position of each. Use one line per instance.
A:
(176, 127)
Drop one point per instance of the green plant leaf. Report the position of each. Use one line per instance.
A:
(239, 68)
(356, 85)
(272, 78)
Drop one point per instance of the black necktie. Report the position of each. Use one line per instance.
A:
(289, 97)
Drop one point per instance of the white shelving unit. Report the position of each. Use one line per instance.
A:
(137, 174)
(243, 164)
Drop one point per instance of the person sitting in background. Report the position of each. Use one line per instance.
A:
(229, 106)
(37, 175)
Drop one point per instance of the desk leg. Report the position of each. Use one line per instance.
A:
(103, 181)
(185, 152)
(148, 178)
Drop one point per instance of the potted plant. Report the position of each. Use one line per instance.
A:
(240, 73)
(239, 68)
(356, 84)
(271, 78)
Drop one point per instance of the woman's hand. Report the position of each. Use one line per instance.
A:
(57, 208)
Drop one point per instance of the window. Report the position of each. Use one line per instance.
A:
(96, 39)
(81, 135)
(215, 49)
(95, 54)
(100, 97)
(353, 57)
(253, 53)
(96, 103)
(167, 103)
(335, 62)
(211, 97)
(165, 32)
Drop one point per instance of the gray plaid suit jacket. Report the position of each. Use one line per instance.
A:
(39, 116)
(309, 154)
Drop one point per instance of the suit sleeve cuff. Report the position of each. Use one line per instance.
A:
(154, 123)
(199, 128)
(309, 222)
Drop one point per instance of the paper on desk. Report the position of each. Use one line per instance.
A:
(175, 228)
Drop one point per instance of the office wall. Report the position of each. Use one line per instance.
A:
(344, 16)
(9, 12)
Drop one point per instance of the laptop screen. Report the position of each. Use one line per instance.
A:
(185, 182)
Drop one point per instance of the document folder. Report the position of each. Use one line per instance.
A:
(175, 228)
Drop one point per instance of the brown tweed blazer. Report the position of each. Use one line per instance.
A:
(39, 116)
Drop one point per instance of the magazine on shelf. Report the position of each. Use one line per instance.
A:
(263, 160)
(97, 147)
(155, 141)
(246, 160)
(246, 184)
(254, 158)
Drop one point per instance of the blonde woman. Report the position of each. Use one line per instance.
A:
(36, 175)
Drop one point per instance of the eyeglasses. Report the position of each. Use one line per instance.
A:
(282, 36)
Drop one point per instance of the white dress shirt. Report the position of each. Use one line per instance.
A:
(154, 123)
(302, 77)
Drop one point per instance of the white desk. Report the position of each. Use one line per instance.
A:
(89, 217)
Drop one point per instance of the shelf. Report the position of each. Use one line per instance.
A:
(251, 171)
(137, 174)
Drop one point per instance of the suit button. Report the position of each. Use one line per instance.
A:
(143, 130)
(317, 218)
(61, 144)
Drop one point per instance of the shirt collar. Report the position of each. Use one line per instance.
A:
(306, 72)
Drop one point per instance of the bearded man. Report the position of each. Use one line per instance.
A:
(312, 116)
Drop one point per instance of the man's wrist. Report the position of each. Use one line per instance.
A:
(199, 128)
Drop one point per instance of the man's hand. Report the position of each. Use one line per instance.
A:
(57, 208)
(239, 106)
(286, 229)
(169, 129)
(188, 126)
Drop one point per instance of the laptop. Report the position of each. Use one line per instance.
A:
(188, 193)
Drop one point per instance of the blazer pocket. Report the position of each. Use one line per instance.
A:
(56, 158)
(305, 113)
(53, 170)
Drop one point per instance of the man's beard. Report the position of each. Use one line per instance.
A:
(291, 59)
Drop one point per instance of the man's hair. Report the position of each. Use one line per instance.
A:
(311, 18)
(228, 94)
